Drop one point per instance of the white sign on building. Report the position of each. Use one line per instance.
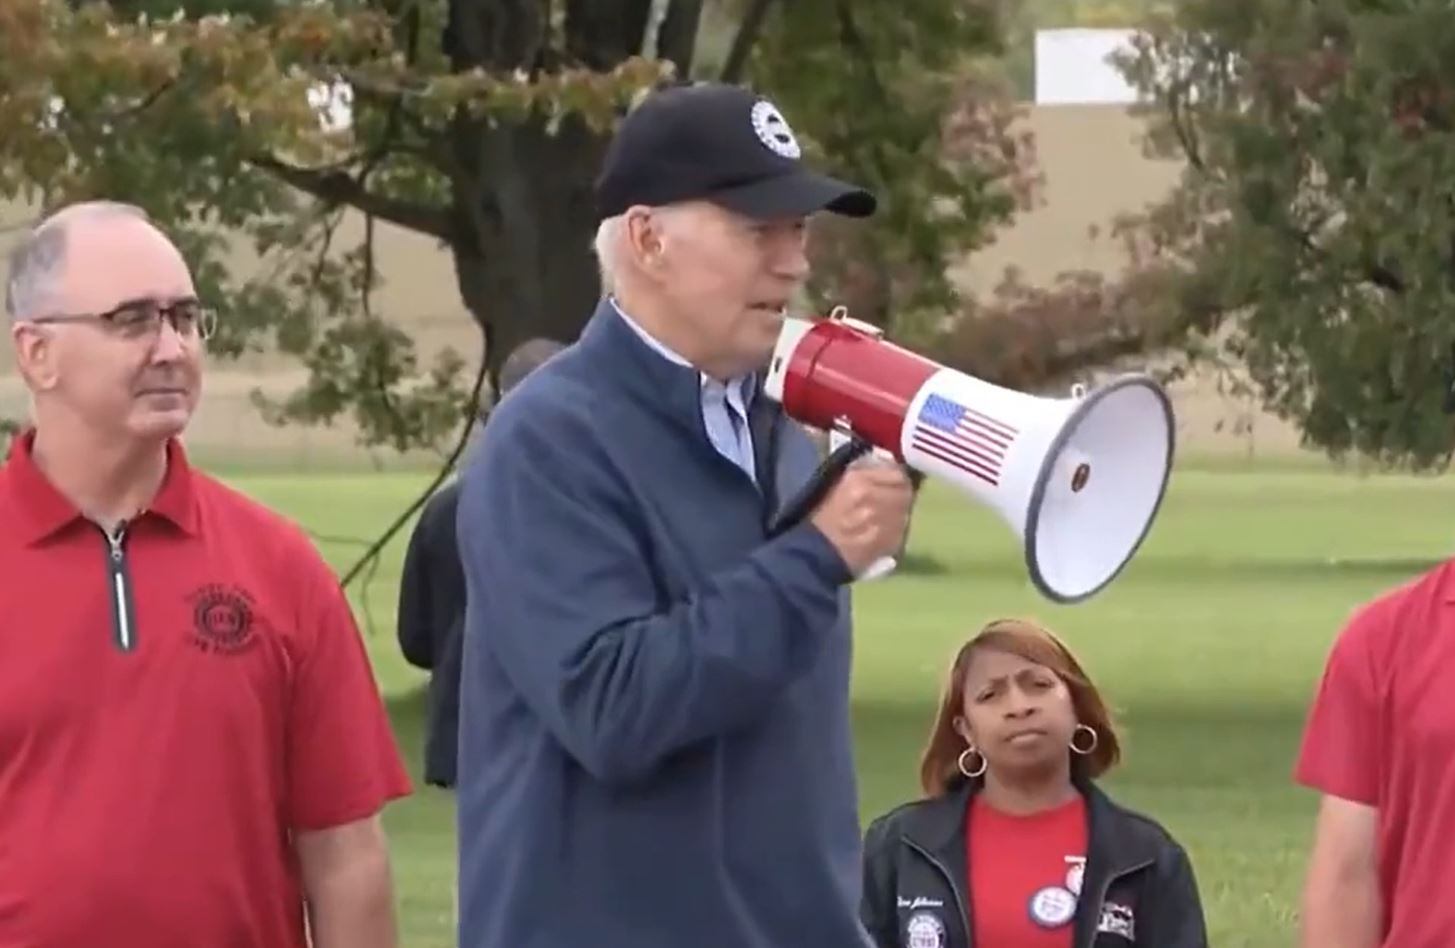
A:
(1072, 67)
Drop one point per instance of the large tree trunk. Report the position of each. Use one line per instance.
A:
(522, 246)
(523, 212)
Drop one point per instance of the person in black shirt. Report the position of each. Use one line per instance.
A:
(432, 595)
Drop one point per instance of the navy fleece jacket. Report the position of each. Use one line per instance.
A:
(654, 737)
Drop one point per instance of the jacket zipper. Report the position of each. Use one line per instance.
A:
(122, 612)
(950, 881)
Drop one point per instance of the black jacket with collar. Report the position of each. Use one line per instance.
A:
(431, 622)
(1138, 888)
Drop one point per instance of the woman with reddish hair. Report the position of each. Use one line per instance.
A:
(1014, 845)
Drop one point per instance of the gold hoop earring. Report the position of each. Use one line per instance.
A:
(1095, 739)
(965, 769)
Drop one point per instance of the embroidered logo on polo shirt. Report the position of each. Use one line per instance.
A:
(224, 619)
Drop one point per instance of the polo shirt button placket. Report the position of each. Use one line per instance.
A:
(123, 614)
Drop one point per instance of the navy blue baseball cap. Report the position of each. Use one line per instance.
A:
(720, 143)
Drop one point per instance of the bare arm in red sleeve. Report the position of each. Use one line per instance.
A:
(1341, 903)
(343, 766)
(349, 886)
(1340, 757)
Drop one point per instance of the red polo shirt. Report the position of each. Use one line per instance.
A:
(1382, 733)
(172, 706)
(1025, 873)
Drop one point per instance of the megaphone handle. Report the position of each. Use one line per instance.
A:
(823, 480)
(818, 487)
(885, 564)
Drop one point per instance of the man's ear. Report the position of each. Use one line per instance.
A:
(643, 236)
(647, 236)
(35, 355)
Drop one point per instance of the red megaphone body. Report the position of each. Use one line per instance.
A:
(1080, 479)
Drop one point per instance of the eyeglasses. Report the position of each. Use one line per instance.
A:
(141, 319)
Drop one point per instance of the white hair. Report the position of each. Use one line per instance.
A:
(607, 247)
(609, 243)
(38, 260)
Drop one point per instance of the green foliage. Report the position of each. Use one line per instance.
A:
(1314, 230)
(9, 428)
(201, 112)
(207, 122)
(193, 9)
(905, 103)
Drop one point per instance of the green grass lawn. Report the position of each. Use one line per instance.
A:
(1208, 646)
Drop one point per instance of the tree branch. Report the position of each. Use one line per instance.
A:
(1184, 129)
(1186, 134)
(677, 35)
(371, 555)
(366, 290)
(1095, 351)
(743, 42)
(149, 100)
(853, 38)
(499, 35)
(859, 50)
(656, 13)
(407, 133)
(336, 187)
(411, 22)
(330, 227)
(1000, 347)
(1385, 278)
(1376, 273)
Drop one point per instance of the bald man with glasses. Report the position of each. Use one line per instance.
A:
(193, 750)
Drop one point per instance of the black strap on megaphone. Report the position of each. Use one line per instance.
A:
(828, 473)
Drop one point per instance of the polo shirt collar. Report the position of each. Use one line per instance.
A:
(44, 510)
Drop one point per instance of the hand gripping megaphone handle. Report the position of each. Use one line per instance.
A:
(885, 564)
(823, 480)
(828, 473)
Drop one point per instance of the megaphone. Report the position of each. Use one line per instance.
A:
(1079, 479)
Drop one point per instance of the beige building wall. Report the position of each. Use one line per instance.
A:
(1094, 170)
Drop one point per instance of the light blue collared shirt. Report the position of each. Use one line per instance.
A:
(724, 406)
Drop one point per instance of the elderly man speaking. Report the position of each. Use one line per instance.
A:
(655, 743)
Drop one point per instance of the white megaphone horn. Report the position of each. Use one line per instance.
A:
(1079, 479)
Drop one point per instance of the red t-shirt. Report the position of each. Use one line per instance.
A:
(172, 708)
(1025, 874)
(1382, 732)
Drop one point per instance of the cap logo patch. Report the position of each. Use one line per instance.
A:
(773, 130)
